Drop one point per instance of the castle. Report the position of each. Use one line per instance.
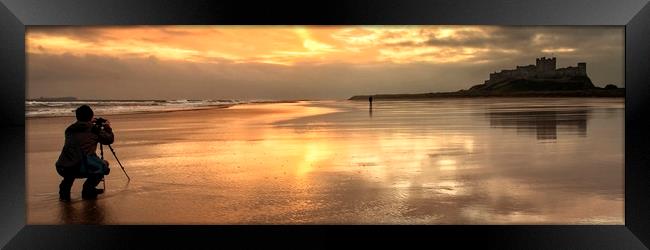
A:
(543, 69)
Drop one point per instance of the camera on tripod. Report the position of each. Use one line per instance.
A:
(99, 124)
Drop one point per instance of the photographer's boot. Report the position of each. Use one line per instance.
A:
(64, 189)
(64, 197)
(89, 191)
(88, 194)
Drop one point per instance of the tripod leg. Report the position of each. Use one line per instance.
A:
(118, 162)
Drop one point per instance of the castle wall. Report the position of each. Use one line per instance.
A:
(543, 68)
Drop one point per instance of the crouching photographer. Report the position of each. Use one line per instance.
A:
(78, 158)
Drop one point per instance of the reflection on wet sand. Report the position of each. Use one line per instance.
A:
(86, 212)
(543, 123)
(425, 162)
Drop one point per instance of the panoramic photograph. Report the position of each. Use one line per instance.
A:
(214, 125)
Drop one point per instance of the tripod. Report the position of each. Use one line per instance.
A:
(101, 150)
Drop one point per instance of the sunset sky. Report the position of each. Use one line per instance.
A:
(299, 62)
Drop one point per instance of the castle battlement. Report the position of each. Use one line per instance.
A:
(544, 68)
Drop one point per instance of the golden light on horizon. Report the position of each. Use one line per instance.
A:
(556, 50)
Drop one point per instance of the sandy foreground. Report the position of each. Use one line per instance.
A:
(336, 162)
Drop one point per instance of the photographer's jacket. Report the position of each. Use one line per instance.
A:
(84, 136)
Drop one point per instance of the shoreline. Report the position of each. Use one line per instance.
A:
(365, 98)
(463, 95)
(139, 112)
(211, 107)
(405, 97)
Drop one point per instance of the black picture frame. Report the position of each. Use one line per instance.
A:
(15, 15)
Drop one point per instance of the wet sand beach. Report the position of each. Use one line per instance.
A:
(449, 161)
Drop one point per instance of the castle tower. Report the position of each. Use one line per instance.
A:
(553, 63)
(545, 65)
(582, 68)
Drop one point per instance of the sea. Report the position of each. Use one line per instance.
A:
(41, 108)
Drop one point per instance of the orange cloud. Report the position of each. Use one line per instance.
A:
(290, 45)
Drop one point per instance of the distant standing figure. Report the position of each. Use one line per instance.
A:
(370, 101)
